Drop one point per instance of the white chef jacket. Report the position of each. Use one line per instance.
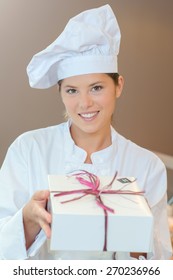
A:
(35, 154)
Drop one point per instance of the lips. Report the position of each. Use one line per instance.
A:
(89, 115)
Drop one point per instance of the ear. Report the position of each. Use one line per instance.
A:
(119, 87)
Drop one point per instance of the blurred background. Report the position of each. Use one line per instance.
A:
(144, 112)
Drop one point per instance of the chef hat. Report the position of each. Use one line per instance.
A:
(89, 44)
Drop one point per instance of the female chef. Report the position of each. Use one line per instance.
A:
(82, 61)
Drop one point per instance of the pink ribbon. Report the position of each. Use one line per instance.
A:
(92, 182)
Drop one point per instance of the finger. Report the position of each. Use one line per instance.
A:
(43, 215)
(41, 195)
(44, 221)
(46, 228)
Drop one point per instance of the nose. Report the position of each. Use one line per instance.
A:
(86, 100)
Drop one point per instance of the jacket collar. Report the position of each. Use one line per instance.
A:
(76, 155)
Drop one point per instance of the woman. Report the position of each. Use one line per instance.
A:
(83, 61)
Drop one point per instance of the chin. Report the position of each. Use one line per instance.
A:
(91, 129)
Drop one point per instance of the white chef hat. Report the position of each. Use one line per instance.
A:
(89, 44)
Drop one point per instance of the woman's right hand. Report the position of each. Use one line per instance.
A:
(36, 217)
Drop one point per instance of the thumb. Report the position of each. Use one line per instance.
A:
(41, 195)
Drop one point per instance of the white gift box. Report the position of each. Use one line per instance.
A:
(80, 224)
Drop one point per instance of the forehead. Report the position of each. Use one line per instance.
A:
(86, 79)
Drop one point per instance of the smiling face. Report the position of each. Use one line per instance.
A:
(90, 101)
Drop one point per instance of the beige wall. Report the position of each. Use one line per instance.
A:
(144, 112)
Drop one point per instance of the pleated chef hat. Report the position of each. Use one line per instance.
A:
(89, 44)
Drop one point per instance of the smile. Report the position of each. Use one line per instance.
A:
(89, 116)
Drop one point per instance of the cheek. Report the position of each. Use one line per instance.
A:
(69, 104)
(110, 104)
(108, 101)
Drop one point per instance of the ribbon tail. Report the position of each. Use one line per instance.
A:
(73, 199)
(99, 202)
(106, 230)
(103, 206)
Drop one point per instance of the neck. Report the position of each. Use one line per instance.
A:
(91, 142)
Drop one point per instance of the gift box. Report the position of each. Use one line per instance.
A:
(80, 223)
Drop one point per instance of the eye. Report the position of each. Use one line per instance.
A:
(97, 88)
(71, 91)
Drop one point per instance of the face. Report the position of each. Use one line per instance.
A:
(90, 101)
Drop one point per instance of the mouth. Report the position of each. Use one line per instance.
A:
(89, 116)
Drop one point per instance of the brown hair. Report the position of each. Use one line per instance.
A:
(114, 77)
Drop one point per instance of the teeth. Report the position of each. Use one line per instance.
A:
(89, 115)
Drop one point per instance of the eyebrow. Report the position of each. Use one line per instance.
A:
(70, 86)
(91, 85)
(98, 82)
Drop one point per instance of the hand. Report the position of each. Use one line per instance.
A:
(137, 255)
(35, 217)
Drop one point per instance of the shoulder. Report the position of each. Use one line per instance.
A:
(40, 137)
(136, 152)
(144, 165)
(41, 133)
